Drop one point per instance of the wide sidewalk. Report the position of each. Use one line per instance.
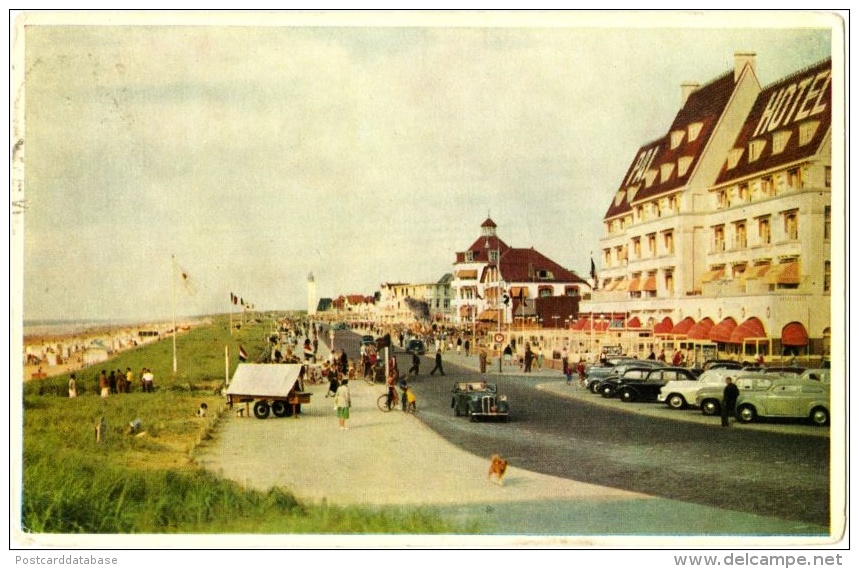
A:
(392, 459)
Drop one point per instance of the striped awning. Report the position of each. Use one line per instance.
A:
(489, 315)
(750, 328)
(785, 273)
(467, 274)
(649, 284)
(664, 327)
(757, 272)
(713, 275)
(723, 330)
(701, 330)
(634, 285)
(682, 327)
(633, 322)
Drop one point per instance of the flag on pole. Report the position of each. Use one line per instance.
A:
(243, 355)
(184, 279)
(522, 297)
(594, 272)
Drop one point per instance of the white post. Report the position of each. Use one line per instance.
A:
(226, 365)
(175, 364)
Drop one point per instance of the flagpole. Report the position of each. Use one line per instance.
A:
(175, 366)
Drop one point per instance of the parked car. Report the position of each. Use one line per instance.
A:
(709, 398)
(479, 400)
(784, 370)
(789, 398)
(648, 389)
(816, 374)
(681, 393)
(608, 386)
(593, 380)
(416, 347)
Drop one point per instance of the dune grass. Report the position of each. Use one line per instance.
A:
(145, 481)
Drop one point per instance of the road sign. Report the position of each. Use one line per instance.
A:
(499, 338)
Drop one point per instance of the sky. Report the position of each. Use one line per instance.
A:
(362, 148)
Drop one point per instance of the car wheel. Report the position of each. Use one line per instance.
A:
(676, 401)
(710, 407)
(595, 388)
(746, 413)
(261, 409)
(607, 392)
(820, 416)
(627, 395)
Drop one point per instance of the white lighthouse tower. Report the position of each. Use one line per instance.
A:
(311, 295)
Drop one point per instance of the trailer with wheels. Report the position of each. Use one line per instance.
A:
(276, 389)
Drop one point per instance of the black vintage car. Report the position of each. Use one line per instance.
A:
(479, 400)
(648, 388)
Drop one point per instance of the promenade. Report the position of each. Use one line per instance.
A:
(394, 460)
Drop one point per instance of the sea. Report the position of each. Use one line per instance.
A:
(71, 327)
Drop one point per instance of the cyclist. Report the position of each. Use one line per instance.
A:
(392, 391)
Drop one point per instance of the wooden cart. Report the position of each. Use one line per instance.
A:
(271, 388)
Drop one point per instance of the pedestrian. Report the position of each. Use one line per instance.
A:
(73, 386)
(466, 345)
(508, 355)
(333, 384)
(343, 401)
(580, 370)
(416, 365)
(483, 360)
(529, 358)
(411, 400)
(111, 381)
(129, 379)
(148, 381)
(539, 358)
(677, 359)
(652, 355)
(661, 355)
(437, 364)
(568, 371)
(458, 344)
(729, 400)
(103, 385)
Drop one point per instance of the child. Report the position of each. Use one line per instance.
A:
(411, 401)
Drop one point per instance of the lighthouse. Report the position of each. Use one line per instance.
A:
(311, 295)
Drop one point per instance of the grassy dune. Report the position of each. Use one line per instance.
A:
(146, 482)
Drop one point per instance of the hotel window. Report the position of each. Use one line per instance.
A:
(618, 251)
(571, 291)
(651, 244)
(718, 238)
(722, 200)
(544, 291)
(780, 140)
(740, 235)
(672, 203)
(734, 156)
(636, 247)
(827, 223)
(743, 192)
(764, 230)
(469, 256)
(737, 270)
(668, 239)
(807, 131)
(648, 286)
(794, 179)
(695, 130)
(639, 213)
(827, 276)
(669, 282)
(756, 147)
(683, 165)
(767, 188)
(665, 171)
(791, 224)
(649, 178)
(493, 255)
(607, 257)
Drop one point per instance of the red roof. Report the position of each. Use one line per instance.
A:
(664, 327)
(529, 265)
(800, 98)
(480, 251)
(701, 330)
(683, 326)
(704, 106)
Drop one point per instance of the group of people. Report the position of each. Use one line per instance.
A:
(117, 381)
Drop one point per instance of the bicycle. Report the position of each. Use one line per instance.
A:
(385, 404)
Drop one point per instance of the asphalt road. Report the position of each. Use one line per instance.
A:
(758, 471)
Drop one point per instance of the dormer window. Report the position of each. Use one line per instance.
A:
(631, 193)
(683, 165)
(807, 131)
(677, 138)
(695, 130)
(665, 171)
(756, 147)
(545, 275)
(734, 156)
(618, 198)
(469, 256)
(649, 177)
(780, 140)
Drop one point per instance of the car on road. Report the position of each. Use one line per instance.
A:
(599, 373)
(648, 388)
(788, 398)
(681, 393)
(816, 374)
(709, 398)
(479, 400)
(416, 347)
(608, 386)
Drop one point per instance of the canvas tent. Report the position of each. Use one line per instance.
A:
(265, 380)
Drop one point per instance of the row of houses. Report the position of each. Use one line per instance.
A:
(719, 233)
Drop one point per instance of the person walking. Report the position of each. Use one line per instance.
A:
(343, 401)
(466, 345)
(103, 385)
(73, 386)
(729, 400)
(438, 366)
(416, 365)
(333, 384)
(529, 358)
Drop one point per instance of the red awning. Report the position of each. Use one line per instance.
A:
(581, 324)
(722, 332)
(751, 328)
(633, 322)
(794, 334)
(682, 327)
(701, 330)
(634, 285)
(649, 284)
(664, 327)
(601, 325)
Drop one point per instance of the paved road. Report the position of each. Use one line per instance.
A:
(399, 460)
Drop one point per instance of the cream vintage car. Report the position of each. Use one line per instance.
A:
(789, 398)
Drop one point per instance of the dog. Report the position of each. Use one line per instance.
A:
(201, 412)
(498, 467)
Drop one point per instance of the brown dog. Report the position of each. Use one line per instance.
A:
(498, 467)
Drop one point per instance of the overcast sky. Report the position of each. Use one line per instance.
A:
(260, 153)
